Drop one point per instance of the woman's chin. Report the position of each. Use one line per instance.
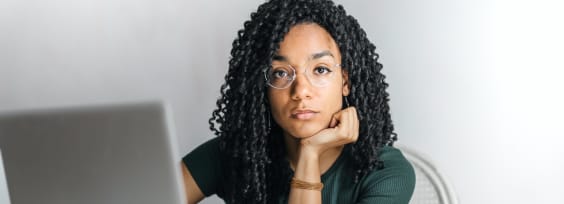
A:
(300, 130)
(300, 136)
(304, 132)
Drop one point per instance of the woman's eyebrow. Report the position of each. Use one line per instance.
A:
(322, 54)
(279, 58)
(313, 56)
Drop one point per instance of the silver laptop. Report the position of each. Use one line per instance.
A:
(91, 155)
(4, 196)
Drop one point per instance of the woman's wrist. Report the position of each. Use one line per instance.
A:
(309, 152)
(296, 183)
(307, 167)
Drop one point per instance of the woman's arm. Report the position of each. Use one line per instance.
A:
(193, 192)
(307, 169)
(343, 129)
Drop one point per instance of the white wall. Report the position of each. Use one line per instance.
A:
(475, 85)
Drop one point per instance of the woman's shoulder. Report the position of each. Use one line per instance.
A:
(394, 163)
(206, 149)
(211, 143)
(396, 178)
(393, 156)
(204, 164)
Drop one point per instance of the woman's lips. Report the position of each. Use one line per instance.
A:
(303, 114)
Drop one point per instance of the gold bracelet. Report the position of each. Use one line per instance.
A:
(295, 183)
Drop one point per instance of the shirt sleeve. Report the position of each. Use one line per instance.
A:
(204, 164)
(393, 184)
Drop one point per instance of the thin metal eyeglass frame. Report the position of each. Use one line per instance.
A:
(265, 70)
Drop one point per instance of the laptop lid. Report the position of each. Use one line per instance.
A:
(4, 196)
(105, 154)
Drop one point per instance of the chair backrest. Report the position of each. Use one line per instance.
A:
(430, 186)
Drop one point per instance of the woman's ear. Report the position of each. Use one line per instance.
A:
(346, 83)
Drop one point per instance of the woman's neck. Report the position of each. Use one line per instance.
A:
(326, 159)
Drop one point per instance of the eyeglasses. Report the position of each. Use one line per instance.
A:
(319, 73)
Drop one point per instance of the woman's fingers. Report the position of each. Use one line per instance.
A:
(323, 137)
(334, 121)
(355, 124)
(348, 126)
(343, 129)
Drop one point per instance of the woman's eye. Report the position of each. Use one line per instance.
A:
(321, 70)
(279, 74)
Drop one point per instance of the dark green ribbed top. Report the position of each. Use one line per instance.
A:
(392, 184)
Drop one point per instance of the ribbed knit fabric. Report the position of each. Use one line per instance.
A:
(392, 184)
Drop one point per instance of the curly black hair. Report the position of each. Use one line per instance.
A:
(251, 143)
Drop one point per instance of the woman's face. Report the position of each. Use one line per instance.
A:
(307, 105)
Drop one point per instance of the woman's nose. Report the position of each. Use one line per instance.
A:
(301, 87)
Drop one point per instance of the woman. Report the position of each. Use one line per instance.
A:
(303, 115)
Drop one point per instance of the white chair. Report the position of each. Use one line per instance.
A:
(430, 186)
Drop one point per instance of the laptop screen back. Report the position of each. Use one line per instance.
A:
(4, 196)
(111, 154)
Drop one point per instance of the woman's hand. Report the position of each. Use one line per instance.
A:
(342, 130)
